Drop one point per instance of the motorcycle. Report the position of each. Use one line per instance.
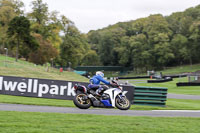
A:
(110, 98)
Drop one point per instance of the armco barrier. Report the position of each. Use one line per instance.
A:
(136, 77)
(160, 80)
(187, 84)
(155, 96)
(165, 76)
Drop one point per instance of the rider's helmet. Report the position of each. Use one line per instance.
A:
(99, 73)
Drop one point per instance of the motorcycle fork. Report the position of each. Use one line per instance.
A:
(121, 98)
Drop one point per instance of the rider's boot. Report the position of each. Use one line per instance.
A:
(99, 92)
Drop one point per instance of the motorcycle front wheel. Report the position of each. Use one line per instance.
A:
(122, 103)
(80, 101)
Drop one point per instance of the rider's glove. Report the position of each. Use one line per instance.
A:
(112, 84)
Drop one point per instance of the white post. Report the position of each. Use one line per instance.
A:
(6, 57)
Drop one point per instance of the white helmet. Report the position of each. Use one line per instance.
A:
(100, 73)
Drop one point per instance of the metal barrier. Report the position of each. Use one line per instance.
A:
(154, 96)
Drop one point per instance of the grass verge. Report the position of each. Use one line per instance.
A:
(166, 71)
(28, 122)
(27, 69)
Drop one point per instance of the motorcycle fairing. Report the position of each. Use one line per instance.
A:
(112, 93)
(106, 103)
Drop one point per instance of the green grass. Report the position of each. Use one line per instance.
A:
(182, 69)
(166, 71)
(171, 104)
(27, 122)
(35, 101)
(26, 69)
(183, 104)
(172, 88)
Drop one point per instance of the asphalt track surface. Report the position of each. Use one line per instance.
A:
(97, 111)
(182, 96)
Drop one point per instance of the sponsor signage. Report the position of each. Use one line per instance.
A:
(44, 88)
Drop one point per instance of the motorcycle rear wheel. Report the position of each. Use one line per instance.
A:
(80, 102)
(122, 103)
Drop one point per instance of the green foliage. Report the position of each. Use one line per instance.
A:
(109, 43)
(8, 10)
(19, 29)
(40, 12)
(149, 43)
(45, 53)
(90, 59)
(73, 47)
(54, 30)
(45, 23)
(19, 26)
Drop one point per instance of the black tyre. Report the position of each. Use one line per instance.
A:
(80, 101)
(122, 103)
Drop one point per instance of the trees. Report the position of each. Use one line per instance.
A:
(69, 48)
(19, 29)
(38, 36)
(146, 43)
(40, 12)
(152, 42)
(194, 39)
(73, 48)
(108, 45)
(90, 59)
(44, 53)
(39, 18)
(8, 10)
(45, 23)
(141, 54)
(179, 48)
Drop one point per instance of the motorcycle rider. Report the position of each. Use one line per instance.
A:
(95, 83)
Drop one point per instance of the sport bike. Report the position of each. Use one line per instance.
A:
(110, 98)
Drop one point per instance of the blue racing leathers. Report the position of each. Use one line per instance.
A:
(97, 79)
(95, 83)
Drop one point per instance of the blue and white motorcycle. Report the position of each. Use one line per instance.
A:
(112, 97)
